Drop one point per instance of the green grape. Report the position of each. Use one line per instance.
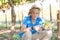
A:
(46, 23)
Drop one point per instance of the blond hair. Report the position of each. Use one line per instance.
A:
(32, 8)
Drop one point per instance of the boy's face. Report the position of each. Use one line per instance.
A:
(35, 13)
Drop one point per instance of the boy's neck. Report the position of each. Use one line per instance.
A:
(33, 21)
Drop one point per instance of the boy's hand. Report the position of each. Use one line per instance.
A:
(28, 29)
(23, 29)
(47, 28)
(40, 29)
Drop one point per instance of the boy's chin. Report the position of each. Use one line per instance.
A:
(35, 18)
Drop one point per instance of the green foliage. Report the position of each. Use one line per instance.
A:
(16, 1)
(28, 0)
(4, 26)
(4, 1)
(16, 37)
(54, 28)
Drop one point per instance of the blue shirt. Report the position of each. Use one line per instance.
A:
(28, 22)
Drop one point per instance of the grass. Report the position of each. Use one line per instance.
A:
(4, 35)
(7, 35)
(15, 35)
(7, 26)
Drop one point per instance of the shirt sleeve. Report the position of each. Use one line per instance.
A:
(41, 22)
(24, 21)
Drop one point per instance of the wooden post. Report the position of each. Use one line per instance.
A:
(58, 21)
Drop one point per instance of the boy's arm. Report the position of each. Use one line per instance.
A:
(24, 29)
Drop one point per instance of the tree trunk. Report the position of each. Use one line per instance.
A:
(23, 2)
(13, 17)
(50, 13)
(32, 0)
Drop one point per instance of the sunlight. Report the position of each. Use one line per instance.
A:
(0, 3)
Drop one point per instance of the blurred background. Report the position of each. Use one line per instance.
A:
(12, 13)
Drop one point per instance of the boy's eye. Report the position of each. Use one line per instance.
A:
(37, 13)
